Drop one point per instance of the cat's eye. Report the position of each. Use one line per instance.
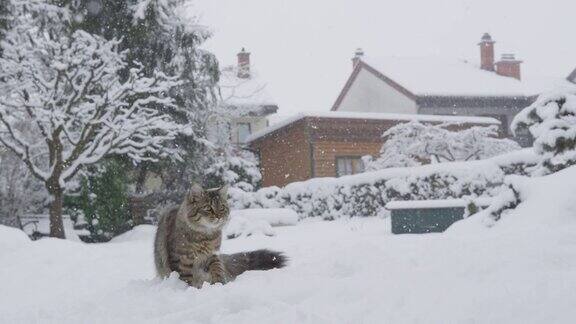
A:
(206, 208)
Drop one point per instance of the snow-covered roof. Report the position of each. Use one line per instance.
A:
(245, 95)
(374, 116)
(432, 76)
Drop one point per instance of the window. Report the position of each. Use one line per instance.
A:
(244, 131)
(347, 165)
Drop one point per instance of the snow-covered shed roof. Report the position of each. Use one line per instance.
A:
(245, 96)
(433, 76)
(374, 116)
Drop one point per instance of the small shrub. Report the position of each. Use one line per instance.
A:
(101, 207)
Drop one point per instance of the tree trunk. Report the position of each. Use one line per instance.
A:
(141, 178)
(19, 222)
(56, 223)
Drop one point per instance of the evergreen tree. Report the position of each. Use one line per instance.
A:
(161, 38)
(154, 34)
(551, 120)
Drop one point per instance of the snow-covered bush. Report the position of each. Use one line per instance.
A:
(551, 119)
(236, 168)
(101, 207)
(534, 201)
(507, 199)
(366, 194)
(415, 143)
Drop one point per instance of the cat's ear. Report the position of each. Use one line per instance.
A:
(223, 192)
(195, 192)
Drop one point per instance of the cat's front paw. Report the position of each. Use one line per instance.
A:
(219, 279)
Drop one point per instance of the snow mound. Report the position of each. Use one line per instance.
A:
(274, 216)
(258, 221)
(546, 204)
(241, 226)
(138, 233)
(11, 239)
(545, 201)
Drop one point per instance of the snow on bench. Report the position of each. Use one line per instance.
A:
(439, 203)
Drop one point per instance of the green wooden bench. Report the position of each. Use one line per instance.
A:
(430, 216)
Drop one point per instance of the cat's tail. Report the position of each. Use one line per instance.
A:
(161, 244)
(238, 263)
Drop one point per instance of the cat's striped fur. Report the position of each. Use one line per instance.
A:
(188, 240)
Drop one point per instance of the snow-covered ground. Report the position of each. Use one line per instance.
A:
(522, 270)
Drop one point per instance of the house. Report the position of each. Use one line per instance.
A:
(331, 144)
(436, 86)
(244, 99)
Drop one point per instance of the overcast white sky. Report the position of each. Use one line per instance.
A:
(303, 47)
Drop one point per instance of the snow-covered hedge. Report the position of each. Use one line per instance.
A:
(366, 194)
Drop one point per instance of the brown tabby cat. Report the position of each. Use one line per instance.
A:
(188, 240)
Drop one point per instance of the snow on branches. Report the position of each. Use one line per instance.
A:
(551, 119)
(66, 100)
(69, 90)
(415, 143)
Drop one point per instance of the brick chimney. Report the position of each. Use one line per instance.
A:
(508, 66)
(357, 56)
(486, 52)
(243, 64)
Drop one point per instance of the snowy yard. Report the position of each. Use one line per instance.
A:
(346, 271)
(112, 111)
